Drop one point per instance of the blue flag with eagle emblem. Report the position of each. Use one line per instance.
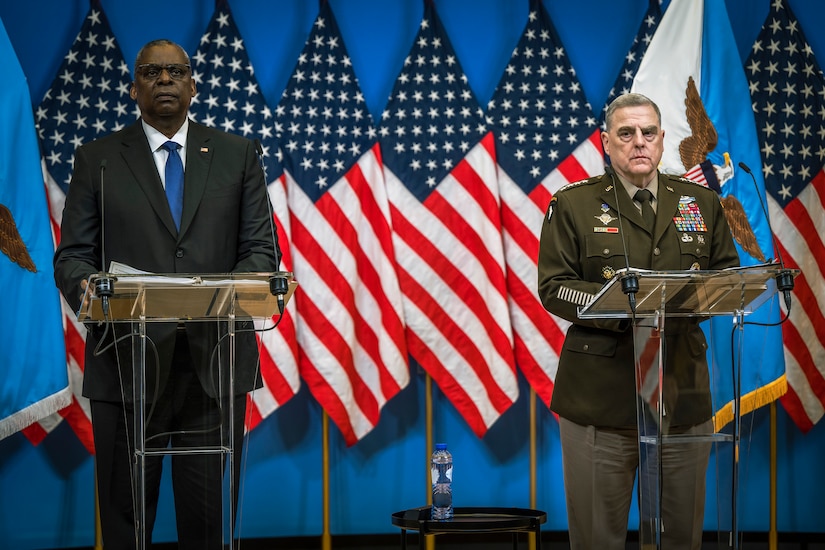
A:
(34, 382)
(694, 90)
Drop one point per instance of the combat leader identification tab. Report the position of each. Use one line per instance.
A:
(690, 217)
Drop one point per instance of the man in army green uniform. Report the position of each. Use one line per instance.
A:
(679, 225)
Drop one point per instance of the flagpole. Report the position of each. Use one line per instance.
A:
(326, 538)
(533, 461)
(98, 530)
(428, 421)
(772, 536)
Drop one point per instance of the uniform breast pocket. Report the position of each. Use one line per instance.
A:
(605, 255)
(695, 250)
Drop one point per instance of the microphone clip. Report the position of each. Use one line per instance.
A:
(784, 283)
(279, 286)
(630, 286)
(104, 289)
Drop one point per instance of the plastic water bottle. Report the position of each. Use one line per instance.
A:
(441, 473)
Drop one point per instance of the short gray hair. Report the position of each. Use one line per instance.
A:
(630, 100)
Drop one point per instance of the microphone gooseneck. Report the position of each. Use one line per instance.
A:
(104, 285)
(630, 280)
(784, 279)
(278, 286)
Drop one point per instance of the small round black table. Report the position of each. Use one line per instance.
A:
(471, 520)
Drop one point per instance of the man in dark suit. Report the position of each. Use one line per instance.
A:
(582, 247)
(220, 224)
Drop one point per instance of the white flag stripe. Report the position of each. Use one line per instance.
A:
(802, 327)
(661, 85)
(334, 374)
(354, 315)
(793, 239)
(449, 304)
(365, 300)
(450, 359)
(447, 297)
(448, 214)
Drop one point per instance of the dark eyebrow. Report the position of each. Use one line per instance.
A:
(646, 130)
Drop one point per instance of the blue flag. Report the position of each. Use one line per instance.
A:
(693, 72)
(33, 376)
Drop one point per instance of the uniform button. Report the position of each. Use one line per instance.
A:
(656, 251)
(586, 347)
(179, 253)
(606, 251)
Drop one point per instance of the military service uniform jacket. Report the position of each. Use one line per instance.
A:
(582, 248)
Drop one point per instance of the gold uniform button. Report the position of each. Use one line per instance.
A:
(586, 347)
(656, 251)
(606, 251)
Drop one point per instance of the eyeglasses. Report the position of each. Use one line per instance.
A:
(152, 71)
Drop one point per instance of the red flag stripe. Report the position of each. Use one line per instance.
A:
(371, 284)
(799, 229)
(336, 326)
(538, 335)
(477, 320)
(448, 317)
(354, 354)
(465, 353)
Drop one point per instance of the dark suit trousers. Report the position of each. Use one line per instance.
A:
(185, 417)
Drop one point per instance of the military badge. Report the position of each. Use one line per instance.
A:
(605, 218)
(690, 217)
(608, 272)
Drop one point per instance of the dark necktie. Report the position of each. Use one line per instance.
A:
(645, 197)
(174, 181)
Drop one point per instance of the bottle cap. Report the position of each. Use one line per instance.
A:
(440, 446)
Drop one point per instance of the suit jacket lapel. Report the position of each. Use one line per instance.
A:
(198, 159)
(138, 157)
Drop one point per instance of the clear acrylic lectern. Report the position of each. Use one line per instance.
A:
(662, 302)
(135, 301)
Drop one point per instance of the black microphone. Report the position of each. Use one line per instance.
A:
(630, 280)
(784, 279)
(278, 285)
(104, 285)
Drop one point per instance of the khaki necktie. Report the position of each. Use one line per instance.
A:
(645, 197)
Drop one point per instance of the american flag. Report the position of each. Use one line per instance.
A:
(634, 56)
(230, 99)
(88, 99)
(546, 137)
(788, 92)
(350, 324)
(439, 163)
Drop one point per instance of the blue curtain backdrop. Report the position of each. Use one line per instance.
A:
(47, 491)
